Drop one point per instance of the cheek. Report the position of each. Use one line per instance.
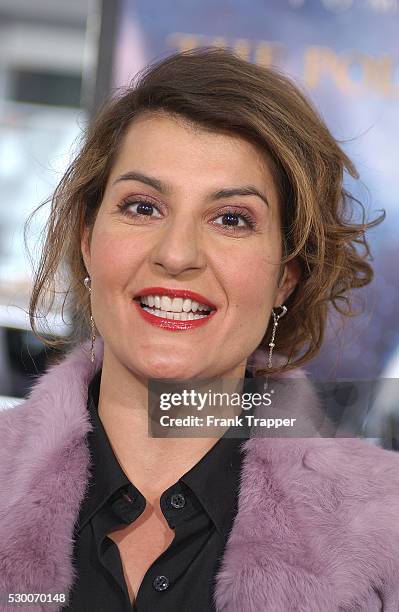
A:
(253, 281)
(113, 257)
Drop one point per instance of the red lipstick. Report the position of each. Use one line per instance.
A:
(172, 324)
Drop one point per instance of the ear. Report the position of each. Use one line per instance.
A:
(288, 281)
(85, 247)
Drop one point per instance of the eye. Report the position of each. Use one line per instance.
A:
(144, 208)
(231, 220)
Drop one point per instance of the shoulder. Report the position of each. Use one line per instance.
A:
(330, 506)
(330, 486)
(53, 417)
(360, 483)
(355, 507)
(16, 424)
(322, 516)
(354, 468)
(360, 467)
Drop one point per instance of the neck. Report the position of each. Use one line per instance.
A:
(152, 463)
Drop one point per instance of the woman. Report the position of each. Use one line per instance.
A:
(203, 224)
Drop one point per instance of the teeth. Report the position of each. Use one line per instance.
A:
(177, 316)
(175, 305)
(186, 305)
(166, 303)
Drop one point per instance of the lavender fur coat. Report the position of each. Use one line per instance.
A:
(317, 528)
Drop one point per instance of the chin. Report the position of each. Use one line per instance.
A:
(168, 370)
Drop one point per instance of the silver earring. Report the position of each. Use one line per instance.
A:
(276, 318)
(87, 284)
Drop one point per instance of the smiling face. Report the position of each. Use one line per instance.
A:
(186, 209)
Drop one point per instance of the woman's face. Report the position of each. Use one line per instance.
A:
(186, 209)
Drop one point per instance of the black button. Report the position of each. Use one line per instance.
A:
(160, 583)
(178, 500)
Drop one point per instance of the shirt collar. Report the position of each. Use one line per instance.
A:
(214, 479)
(107, 475)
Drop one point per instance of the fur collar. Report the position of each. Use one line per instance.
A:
(317, 528)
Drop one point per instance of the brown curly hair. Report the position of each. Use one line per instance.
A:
(223, 93)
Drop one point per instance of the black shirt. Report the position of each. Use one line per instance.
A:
(200, 507)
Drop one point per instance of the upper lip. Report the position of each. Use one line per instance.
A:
(182, 293)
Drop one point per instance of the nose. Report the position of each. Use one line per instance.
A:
(179, 245)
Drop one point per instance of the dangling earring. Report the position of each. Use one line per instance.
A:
(87, 284)
(276, 318)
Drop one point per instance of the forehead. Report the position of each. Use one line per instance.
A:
(173, 148)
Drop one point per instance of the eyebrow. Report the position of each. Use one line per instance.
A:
(229, 192)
